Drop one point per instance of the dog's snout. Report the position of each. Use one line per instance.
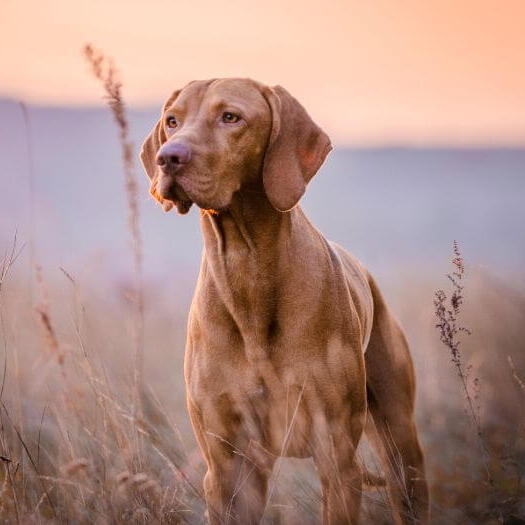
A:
(173, 155)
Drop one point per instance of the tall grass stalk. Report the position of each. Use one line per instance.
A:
(104, 70)
(8, 260)
(31, 188)
(10, 256)
(448, 310)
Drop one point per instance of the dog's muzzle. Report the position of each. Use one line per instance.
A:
(172, 156)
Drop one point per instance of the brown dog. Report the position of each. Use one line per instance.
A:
(290, 346)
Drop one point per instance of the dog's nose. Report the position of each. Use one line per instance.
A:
(173, 155)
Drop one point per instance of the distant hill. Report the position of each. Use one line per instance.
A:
(390, 207)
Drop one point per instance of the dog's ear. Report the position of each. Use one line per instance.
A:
(148, 153)
(296, 149)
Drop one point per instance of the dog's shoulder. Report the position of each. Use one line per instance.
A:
(358, 282)
(352, 265)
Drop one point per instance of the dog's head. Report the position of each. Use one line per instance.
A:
(216, 136)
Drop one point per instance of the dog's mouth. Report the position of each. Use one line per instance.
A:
(182, 193)
(183, 207)
(174, 195)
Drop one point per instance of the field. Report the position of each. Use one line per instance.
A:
(93, 426)
(72, 450)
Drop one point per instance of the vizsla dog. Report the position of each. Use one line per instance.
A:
(291, 349)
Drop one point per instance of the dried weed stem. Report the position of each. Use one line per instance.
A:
(450, 328)
(105, 71)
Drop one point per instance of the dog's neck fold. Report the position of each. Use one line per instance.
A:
(250, 225)
(246, 251)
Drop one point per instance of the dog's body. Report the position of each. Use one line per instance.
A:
(290, 343)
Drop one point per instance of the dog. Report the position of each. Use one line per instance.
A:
(291, 349)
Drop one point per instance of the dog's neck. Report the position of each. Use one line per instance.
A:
(249, 225)
(246, 250)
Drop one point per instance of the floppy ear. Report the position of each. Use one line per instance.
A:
(296, 149)
(148, 154)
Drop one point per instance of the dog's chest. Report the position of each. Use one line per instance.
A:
(272, 400)
(256, 405)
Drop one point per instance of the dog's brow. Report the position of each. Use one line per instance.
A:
(177, 107)
(248, 110)
(218, 104)
(189, 99)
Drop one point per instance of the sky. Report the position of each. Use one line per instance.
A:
(414, 72)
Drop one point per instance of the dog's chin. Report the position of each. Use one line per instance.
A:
(174, 195)
(183, 206)
(214, 205)
(211, 205)
(180, 195)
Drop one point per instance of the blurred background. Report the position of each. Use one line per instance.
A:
(425, 104)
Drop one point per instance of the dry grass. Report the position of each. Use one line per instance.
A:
(498, 483)
(450, 329)
(75, 459)
(67, 428)
(105, 71)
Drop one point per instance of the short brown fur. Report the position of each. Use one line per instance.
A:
(291, 348)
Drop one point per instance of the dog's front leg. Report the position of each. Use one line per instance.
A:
(236, 480)
(334, 447)
(341, 482)
(235, 492)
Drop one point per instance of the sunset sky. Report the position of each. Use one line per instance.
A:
(378, 71)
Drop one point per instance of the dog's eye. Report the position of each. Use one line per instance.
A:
(171, 122)
(230, 118)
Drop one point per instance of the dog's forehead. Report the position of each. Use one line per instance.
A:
(226, 90)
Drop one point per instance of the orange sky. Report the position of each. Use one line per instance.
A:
(369, 71)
